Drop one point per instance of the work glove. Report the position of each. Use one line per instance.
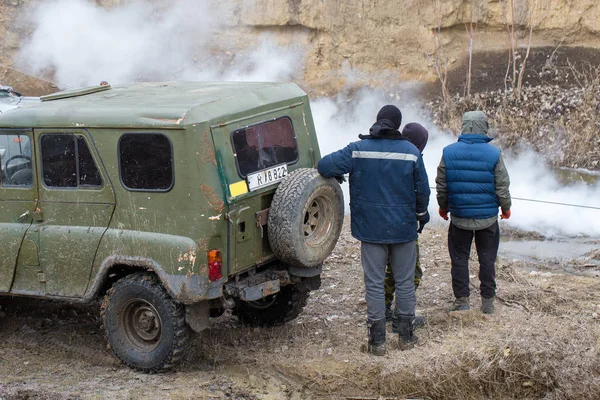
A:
(340, 178)
(443, 213)
(423, 219)
(505, 214)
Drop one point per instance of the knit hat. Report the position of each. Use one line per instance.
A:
(416, 134)
(391, 113)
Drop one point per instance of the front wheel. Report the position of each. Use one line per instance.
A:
(145, 328)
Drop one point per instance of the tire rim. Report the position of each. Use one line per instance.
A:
(142, 325)
(318, 220)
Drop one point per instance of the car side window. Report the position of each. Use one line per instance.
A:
(89, 175)
(146, 162)
(264, 145)
(15, 161)
(67, 162)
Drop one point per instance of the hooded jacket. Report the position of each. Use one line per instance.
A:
(472, 181)
(388, 186)
(416, 134)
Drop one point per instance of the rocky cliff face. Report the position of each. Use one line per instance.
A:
(10, 40)
(372, 36)
(384, 39)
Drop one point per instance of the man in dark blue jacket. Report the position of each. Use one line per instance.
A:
(472, 182)
(389, 194)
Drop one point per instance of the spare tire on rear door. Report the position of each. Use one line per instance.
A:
(305, 219)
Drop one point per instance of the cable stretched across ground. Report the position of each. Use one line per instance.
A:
(551, 202)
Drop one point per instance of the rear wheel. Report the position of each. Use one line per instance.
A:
(145, 328)
(273, 310)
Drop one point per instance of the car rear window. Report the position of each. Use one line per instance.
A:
(264, 145)
(146, 161)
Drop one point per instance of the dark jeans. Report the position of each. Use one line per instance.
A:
(459, 244)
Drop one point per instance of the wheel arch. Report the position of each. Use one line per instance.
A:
(116, 267)
(186, 289)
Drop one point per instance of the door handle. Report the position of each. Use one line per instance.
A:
(23, 216)
(37, 215)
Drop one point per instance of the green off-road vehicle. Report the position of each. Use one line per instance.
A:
(172, 202)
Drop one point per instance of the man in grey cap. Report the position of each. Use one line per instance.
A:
(472, 182)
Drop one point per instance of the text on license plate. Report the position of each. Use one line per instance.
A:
(266, 177)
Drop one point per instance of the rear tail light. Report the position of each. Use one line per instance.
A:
(215, 265)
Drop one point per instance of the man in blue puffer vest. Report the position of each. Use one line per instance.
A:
(472, 182)
(389, 194)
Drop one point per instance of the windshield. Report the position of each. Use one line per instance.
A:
(15, 160)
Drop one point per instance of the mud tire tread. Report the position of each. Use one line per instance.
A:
(181, 331)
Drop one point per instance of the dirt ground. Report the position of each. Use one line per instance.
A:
(542, 343)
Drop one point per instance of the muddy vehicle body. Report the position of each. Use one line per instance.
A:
(172, 202)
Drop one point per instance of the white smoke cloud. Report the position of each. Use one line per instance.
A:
(82, 44)
(531, 179)
(339, 121)
(266, 62)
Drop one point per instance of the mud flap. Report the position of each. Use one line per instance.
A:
(308, 284)
(196, 315)
(305, 272)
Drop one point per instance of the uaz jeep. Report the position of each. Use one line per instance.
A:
(172, 202)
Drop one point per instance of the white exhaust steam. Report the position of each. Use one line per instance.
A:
(83, 44)
(339, 122)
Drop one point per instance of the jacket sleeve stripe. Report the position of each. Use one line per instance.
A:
(382, 155)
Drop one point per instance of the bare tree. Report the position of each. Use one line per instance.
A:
(516, 15)
(513, 42)
(438, 57)
(471, 28)
(532, 25)
(508, 7)
(524, 62)
(440, 61)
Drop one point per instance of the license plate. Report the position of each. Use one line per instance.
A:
(266, 177)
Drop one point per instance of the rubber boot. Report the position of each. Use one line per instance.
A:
(461, 304)
(389, 313)
(419, 322)
(376, 337)
(396, 322)
(487, 305)
(406, 337)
